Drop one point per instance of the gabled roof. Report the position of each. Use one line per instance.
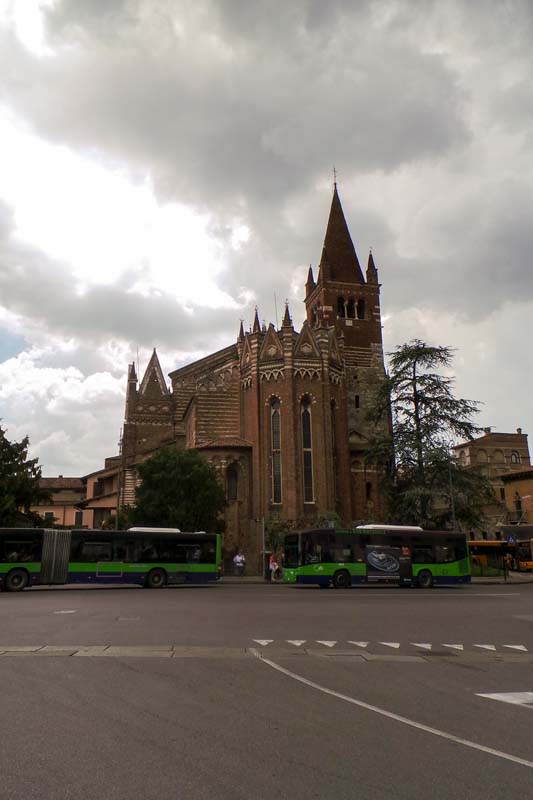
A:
(338, 250)
(153, 377)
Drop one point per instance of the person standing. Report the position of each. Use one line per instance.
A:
(273, 567)
(239, 562)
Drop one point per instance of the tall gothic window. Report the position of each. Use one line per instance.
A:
(341, 308)
(334, 448)
(275, 449)
(361, 309)
(232, 479)
(350, 308)
(307, 452)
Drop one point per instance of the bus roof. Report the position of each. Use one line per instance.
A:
(155, 530)
(389, 528)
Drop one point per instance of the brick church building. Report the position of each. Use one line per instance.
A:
(280, 413)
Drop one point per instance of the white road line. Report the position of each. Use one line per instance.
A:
(455, 646)
(66, 611)
(297, 642)
(263, 642)
(516, 698)
(328, 644)
(396, 645)
(390, 715)
(359, 644)
(486, 646)
(423, 645)
(516, 647)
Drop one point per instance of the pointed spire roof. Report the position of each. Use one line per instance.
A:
(132, 375)
(371, 270)
(153, 379)
(338, 250)
(287, 321)
(240, 337)
(310, 285)
(257, 324)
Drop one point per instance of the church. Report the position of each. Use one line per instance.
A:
(280, 413)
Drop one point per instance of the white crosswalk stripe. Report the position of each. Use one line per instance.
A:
(396, 645)
(519, 647)
(429, 646)
(327, 643)
(516, 698)
(263, 642)
(296, 642)
(455, 646)
(359, 644)
(423, 645)
(486, 646)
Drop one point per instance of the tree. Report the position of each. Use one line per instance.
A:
(19, 483)
(179, 489)
(425, 484)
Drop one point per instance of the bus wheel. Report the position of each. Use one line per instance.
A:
(156, 579)
(425, 579)
(16, 580)
(342, 580)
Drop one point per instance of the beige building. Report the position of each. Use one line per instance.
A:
(496, 455)
(518, 489)
(63, 507)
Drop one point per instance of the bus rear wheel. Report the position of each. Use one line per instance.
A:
(425, 579)
(16, 580)
(342, 580)
(156, 579)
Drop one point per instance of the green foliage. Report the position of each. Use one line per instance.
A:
(179, 489)
(275, 530)
(19, 483)
(425, 485)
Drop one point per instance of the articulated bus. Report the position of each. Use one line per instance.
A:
(150, 557)
(376, 554)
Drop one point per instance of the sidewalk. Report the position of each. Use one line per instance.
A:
(513, 579)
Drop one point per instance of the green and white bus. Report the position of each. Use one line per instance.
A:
(150, 557)
(376, 554)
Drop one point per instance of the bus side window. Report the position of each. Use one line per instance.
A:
(95, 551)
(119, 549)
(422, 554)
(443, 554)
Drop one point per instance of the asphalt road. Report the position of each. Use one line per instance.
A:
(266, 691)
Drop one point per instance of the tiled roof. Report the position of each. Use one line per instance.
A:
(230, 441)
(61, 483)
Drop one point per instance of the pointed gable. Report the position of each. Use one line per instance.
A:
(306, 346)
(338, 252)
(246, 357)
(271, 347)
(153, 383)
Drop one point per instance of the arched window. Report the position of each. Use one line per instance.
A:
(515, 457)
(357, 402)
(350, 308)
(232, 480)
(307, 450)
(334, 448)
(368, 490)
(361, 308)
(313, 317)
(275, 449)
(341, 308)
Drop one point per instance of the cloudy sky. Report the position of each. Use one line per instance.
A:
(166, 165)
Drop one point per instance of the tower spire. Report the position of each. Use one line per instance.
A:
(257, 324)
(338, 246)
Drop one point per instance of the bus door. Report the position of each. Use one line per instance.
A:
(383, 564)
(55, 556)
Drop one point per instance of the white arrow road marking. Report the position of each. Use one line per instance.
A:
(455, 646)
(516, 698)
(359, 644)
(423, 645)
(328, 644)
(516, 647)
(396, 645)
(486, 646)
(66, 611)
(297, 642)
(396, 717)
(263, 642)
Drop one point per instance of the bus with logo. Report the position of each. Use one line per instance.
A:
(149, 557)
(376, 554)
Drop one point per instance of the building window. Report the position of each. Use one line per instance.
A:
(350, 309)
(515, 457)
(334, 448)
(78, 519)
(368, 491)
(307, 450)
(357, 403)
(275, 449)
(341, 308)
(502, 494)
(232, 478)
(361, 309)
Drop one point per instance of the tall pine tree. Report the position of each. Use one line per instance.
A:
(19, 482)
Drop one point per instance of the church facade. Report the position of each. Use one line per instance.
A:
(280, 413)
